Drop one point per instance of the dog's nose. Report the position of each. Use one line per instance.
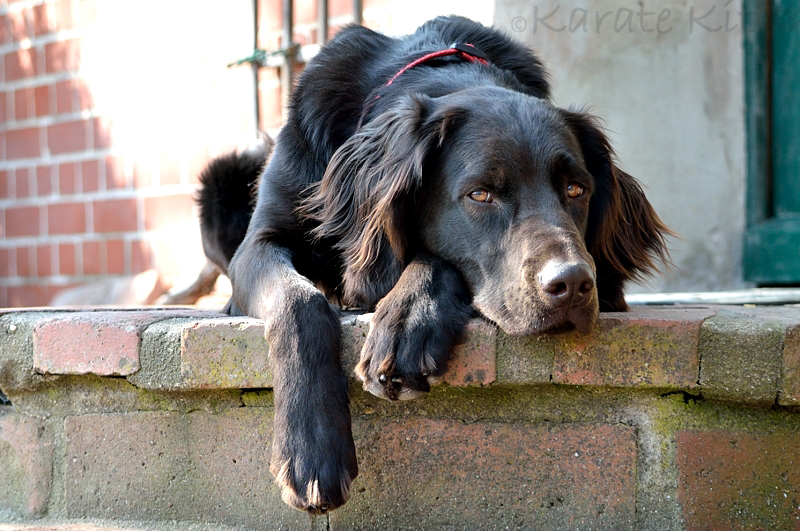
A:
(566, 284)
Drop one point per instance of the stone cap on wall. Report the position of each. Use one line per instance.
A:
(735, 353)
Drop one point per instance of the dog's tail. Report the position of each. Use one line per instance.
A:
(226, 197)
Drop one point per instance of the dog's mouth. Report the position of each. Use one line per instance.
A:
(545, 322)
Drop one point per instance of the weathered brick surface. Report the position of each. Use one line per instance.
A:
(26, 456)
(225, 353)
(642, 348)
(787, 318)
(790, 382)
(730, 480)
(98, 343)
(473, 362)
(169, 466)
(742, 358)
(102, 343)
(425, 473)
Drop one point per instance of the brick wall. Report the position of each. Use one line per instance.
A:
(107, 114)
(662, 419)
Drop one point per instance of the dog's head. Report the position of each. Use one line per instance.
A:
(521, 197)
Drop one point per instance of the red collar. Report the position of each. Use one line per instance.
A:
(464, 51)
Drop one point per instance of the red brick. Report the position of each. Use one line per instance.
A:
(166, 211)
(5, 263)
(65, 96)
(84, 95)
(22, 183)
(4, 297)
(29, 295)
(338, 8)
(67, 137)
(115, 215)
(91, 258)
(24, 104)
(473, 362)
(22, 221)
(4, 30)
(103, 343)
(90, 176)
(141, 256)
(4, 189)
(491, 475)
(66, 259)
(115, 257)
(730, 480)
(44, 181)
(18, 24)
(4, 106)
(43, 19)
(22, 143)
(67, 179)
(26, 478)
(41, 97)
(44, 261)
(20, 64)
(650, 347)
(101, 131)
(62, 56)
(66, 218)
(24, 261)
(115, 173)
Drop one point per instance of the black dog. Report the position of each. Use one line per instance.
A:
(426, 178)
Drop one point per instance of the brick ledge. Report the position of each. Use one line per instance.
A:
(747, 355)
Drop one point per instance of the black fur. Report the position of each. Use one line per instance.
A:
(463, 190)
(227, 194)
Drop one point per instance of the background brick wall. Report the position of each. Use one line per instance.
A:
(108, 111)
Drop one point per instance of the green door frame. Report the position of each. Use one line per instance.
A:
(772, 238)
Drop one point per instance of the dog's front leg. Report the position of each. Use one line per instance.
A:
(313, 455)
(414, 329)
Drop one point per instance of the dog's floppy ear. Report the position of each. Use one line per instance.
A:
(625, 236)
(362, 201)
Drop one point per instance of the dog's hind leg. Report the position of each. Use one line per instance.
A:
(313, 454)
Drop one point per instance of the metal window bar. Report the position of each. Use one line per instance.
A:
(290, 53)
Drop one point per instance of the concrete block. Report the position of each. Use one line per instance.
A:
(742, 358)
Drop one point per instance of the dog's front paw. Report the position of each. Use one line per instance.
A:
(314, 480)
(406, 351)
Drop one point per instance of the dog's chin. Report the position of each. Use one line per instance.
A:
(553, 322)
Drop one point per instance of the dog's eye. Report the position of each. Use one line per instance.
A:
(481, 196)
(574, 190)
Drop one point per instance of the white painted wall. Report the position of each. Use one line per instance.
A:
(666, 76)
